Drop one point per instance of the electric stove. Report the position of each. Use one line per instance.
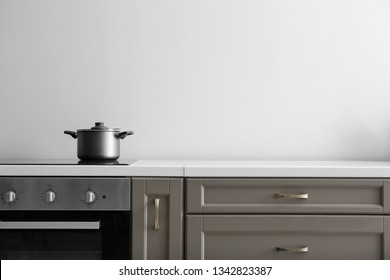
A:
(65, 162)
(65, 217)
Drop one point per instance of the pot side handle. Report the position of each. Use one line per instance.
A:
(124, 134)
(71, 133)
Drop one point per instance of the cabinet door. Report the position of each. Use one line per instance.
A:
(299, 237)
(157, 218)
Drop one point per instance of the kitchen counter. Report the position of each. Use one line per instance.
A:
(328, 202)
(139, 168)
(279, 169)
(194, 168)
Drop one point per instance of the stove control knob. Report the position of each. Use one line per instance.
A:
(50, 197)
(9, 197)
(90, 197)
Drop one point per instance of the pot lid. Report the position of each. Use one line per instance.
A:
(100, 127)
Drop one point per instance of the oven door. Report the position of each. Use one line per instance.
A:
(72, 235)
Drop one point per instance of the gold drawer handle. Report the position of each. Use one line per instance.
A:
(293, 250)
(157, 219)
(292, 196)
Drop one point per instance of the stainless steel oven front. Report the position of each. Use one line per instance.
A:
(65, 218)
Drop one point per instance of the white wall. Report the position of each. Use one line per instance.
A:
(199, 79)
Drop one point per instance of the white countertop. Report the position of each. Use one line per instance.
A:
(194, 168)
(156, 168)
(376, 169)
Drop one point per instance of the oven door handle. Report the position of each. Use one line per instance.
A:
(49, 225)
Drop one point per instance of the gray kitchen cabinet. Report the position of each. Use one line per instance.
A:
(157, 207)
(301, 219)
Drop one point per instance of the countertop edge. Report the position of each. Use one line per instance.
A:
(172, 168)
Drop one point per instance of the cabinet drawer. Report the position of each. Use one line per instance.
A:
(287, 196)
(273, 237)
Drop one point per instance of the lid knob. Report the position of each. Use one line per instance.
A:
(99, 125)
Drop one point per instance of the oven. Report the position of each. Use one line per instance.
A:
(65, 218)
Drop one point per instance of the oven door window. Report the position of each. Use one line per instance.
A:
(51, 244)
(73, 236)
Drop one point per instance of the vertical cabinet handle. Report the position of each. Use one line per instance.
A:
(292, 196)
(157, 219)
(293, 250)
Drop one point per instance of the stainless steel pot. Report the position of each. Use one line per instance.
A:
(99, 142)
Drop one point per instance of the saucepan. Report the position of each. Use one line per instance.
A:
(99, 142)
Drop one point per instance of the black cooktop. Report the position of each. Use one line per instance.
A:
(65, 162)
